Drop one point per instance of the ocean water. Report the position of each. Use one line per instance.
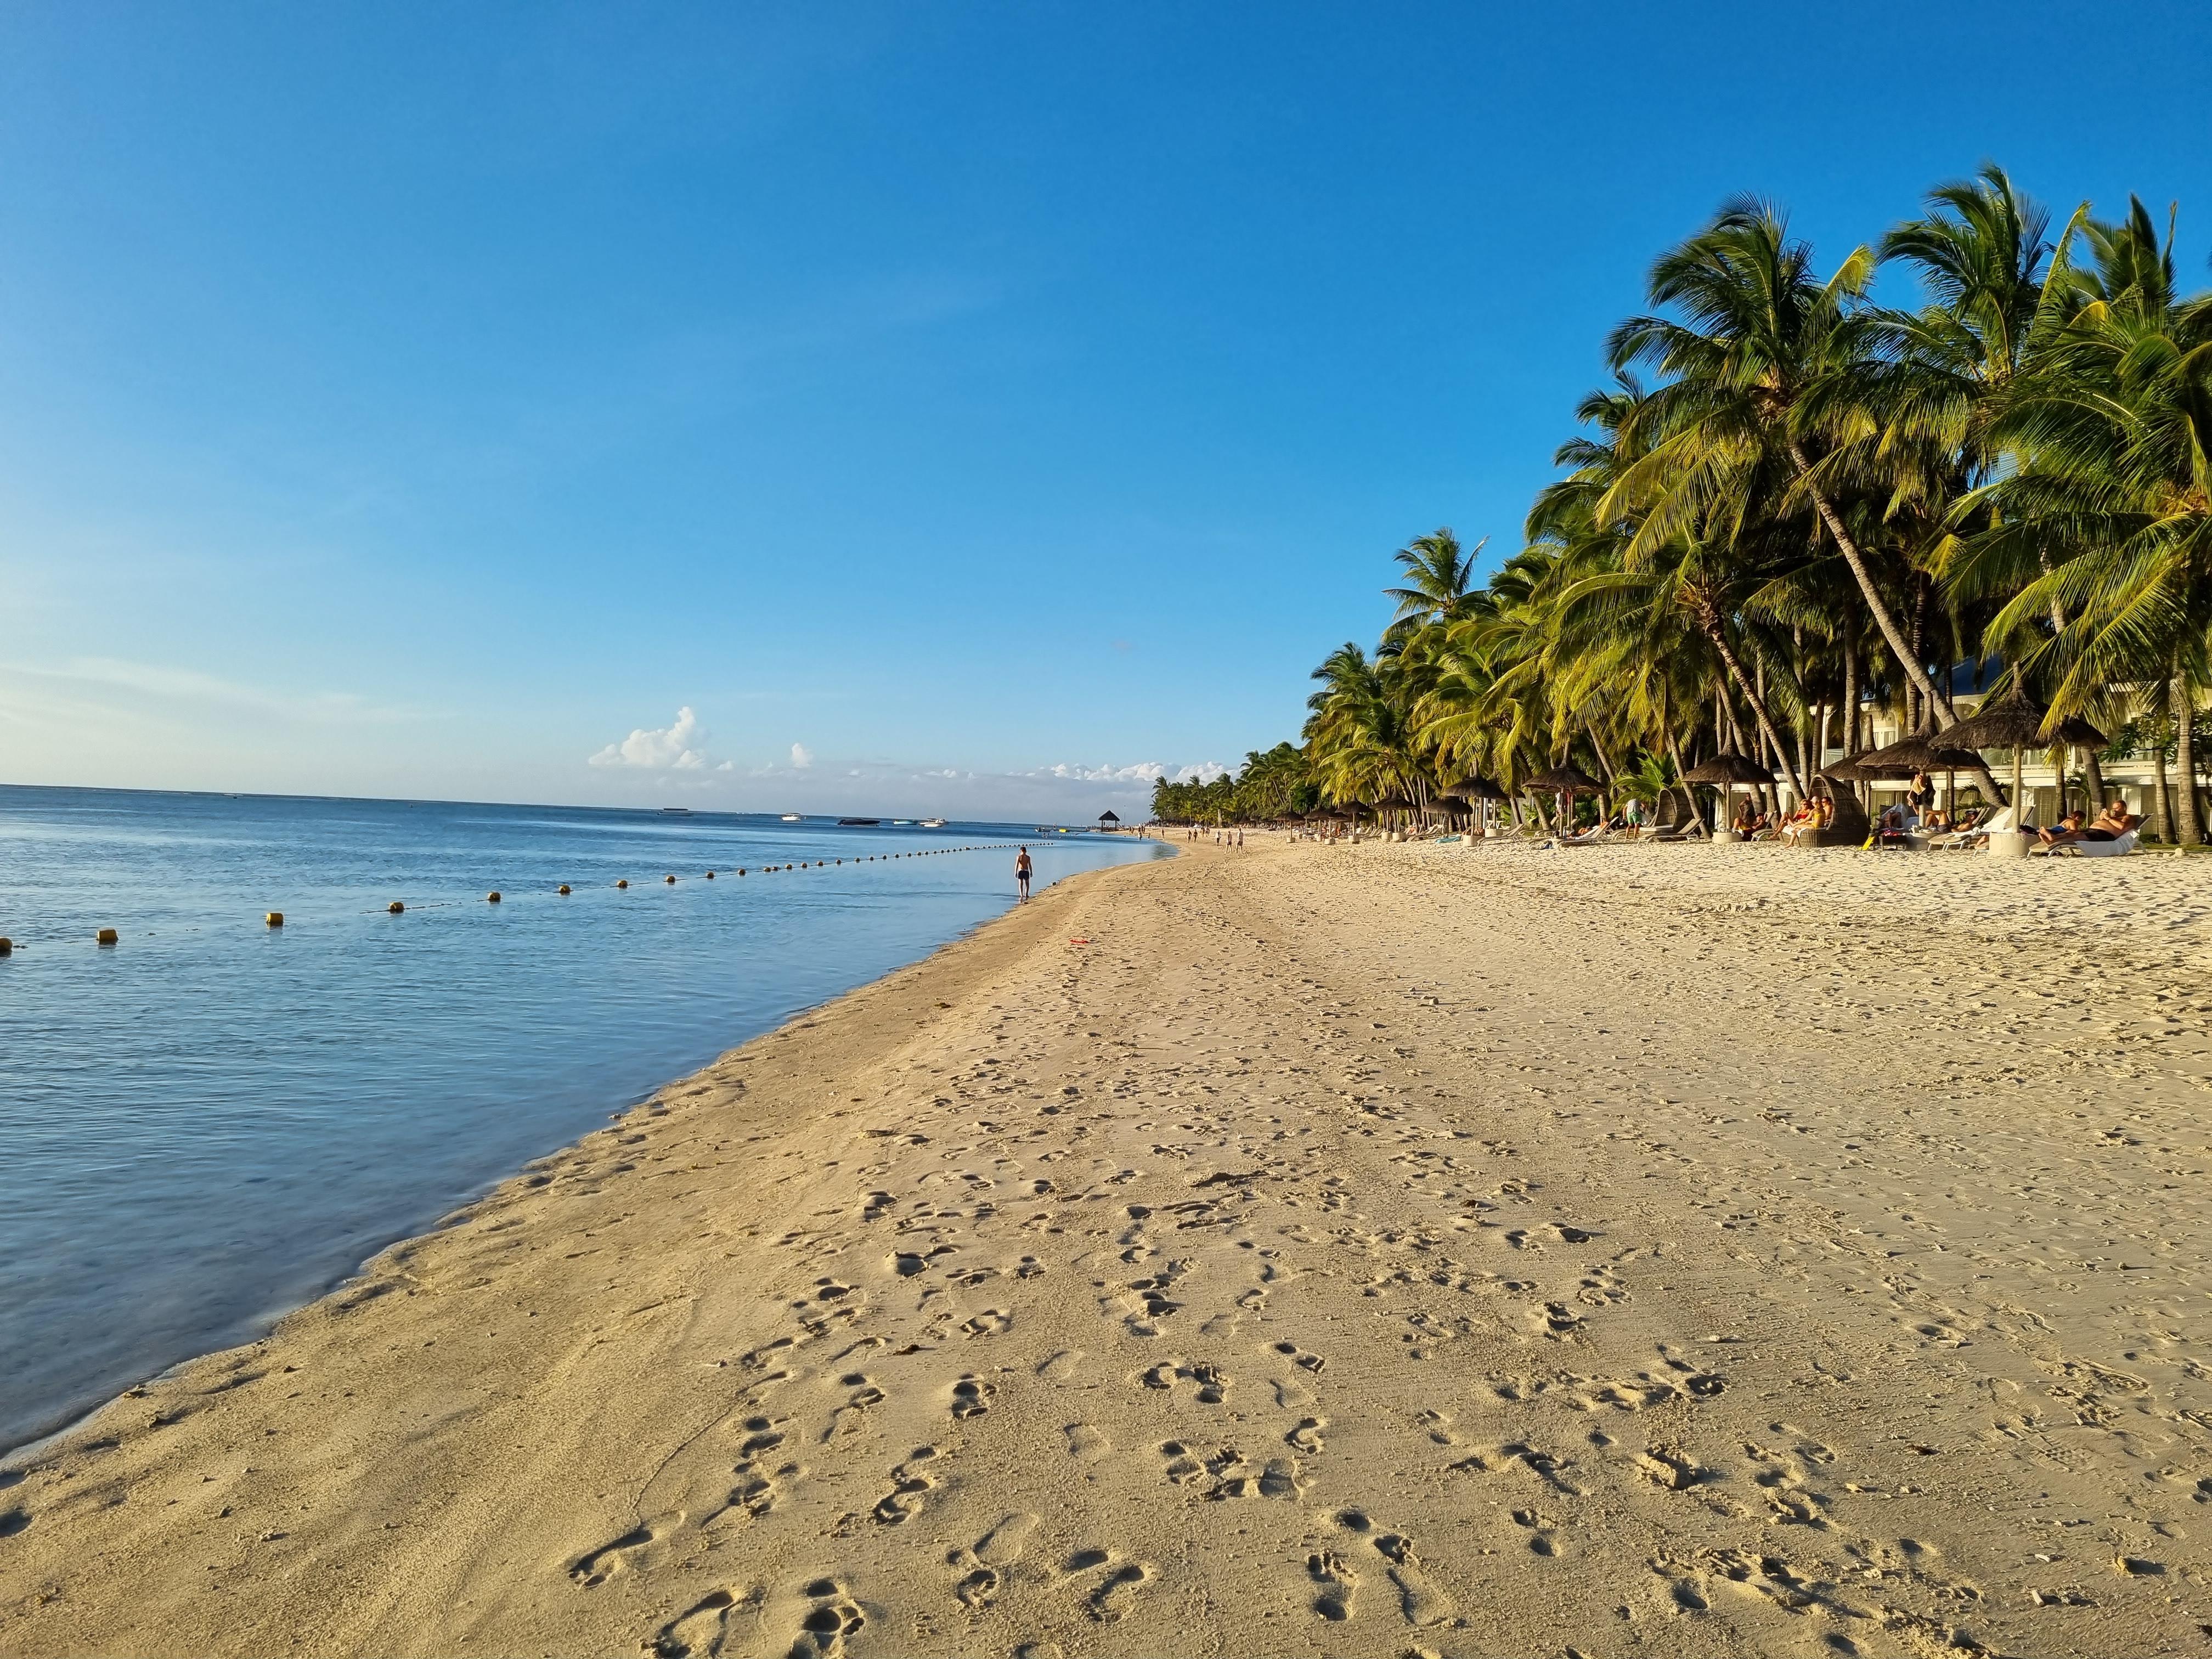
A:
(213, 1120)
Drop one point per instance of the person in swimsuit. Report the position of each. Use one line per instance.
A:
(2110, 824)
(1022, 872)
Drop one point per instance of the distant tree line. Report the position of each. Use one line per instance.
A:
(1792, 504)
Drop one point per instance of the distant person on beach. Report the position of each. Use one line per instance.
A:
(1022, 872)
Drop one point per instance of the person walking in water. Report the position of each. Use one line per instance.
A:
(1022, 872)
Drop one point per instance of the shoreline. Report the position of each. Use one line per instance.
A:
(1340, 1249)
(332, 1233)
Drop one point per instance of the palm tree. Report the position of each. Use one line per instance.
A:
(1439, 578)
(1758, 337)
(2114, 429)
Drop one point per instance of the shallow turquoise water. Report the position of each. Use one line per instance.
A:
(213, 1121)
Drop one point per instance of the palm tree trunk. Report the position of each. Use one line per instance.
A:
(1884, 617)
(1850, 745)
(1689, 794)
(2164, 793)
(2191, 824)
(1718, 635)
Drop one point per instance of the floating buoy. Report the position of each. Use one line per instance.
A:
(710, 875)
(275, 917)
(108, 936)
(624, 882)
(670, 880)
(7, 946)
(492, 897)
(741, 869)
(564, 889)
(395, 907)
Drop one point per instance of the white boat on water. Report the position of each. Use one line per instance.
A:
(932, 824)
(791, 817)
(678, 811)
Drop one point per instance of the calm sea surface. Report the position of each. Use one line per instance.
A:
(213, 1121)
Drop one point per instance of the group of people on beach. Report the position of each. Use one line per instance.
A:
(1919, 813)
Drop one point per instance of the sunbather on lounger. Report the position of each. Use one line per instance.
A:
(2067, 829)
(2110, 824)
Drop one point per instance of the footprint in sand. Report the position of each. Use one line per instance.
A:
(1086, 1444)
(1670, 1468)
(986, 1559)
(702, 1630)
(1063, 1366)
(1213, 1381)
(1420, 1602)
(754, 1495)
(1300, 1358)
(1117, 1592)
(850, 1416)
(1438, 1426)
(825, 1627)
(628, 1553)
(1542, 1538)
(1339, 1585)
(992, 1322)
(1307, 1437)
(903, 1502)
(971, 1397)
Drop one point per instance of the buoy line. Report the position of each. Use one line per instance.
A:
(274, 920)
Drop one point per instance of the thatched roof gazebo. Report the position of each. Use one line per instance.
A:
(1109, 816)
(2015, 723)
(1564, 779)
(1724, 772)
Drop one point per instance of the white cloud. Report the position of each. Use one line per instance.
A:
(667, 748)
(1142, 772)
(801, 756)
(1204, 772)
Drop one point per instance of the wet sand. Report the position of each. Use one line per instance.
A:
(1371, 1250)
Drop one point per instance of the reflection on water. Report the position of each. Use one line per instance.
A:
(214, 1120)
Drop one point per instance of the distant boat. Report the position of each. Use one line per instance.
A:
(932, 824)
(859, 822)
(791, 817)
(678, 811)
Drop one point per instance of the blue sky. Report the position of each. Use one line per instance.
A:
(436, 401)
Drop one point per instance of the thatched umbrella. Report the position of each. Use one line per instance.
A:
(1566, 780)
(1724, 772)
(1472, 792)
(2016, 724)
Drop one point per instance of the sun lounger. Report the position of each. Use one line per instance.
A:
(2006, 819)
(2120, 845)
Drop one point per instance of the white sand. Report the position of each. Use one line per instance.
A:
(1378, 1250)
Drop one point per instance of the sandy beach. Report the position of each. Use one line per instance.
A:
(1335, 1250)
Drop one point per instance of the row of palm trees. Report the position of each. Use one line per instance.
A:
(1793, 505)
(1271, 785)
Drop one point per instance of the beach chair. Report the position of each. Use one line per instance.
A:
(1849, 828)
(2118, 847)
(1969, 836)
